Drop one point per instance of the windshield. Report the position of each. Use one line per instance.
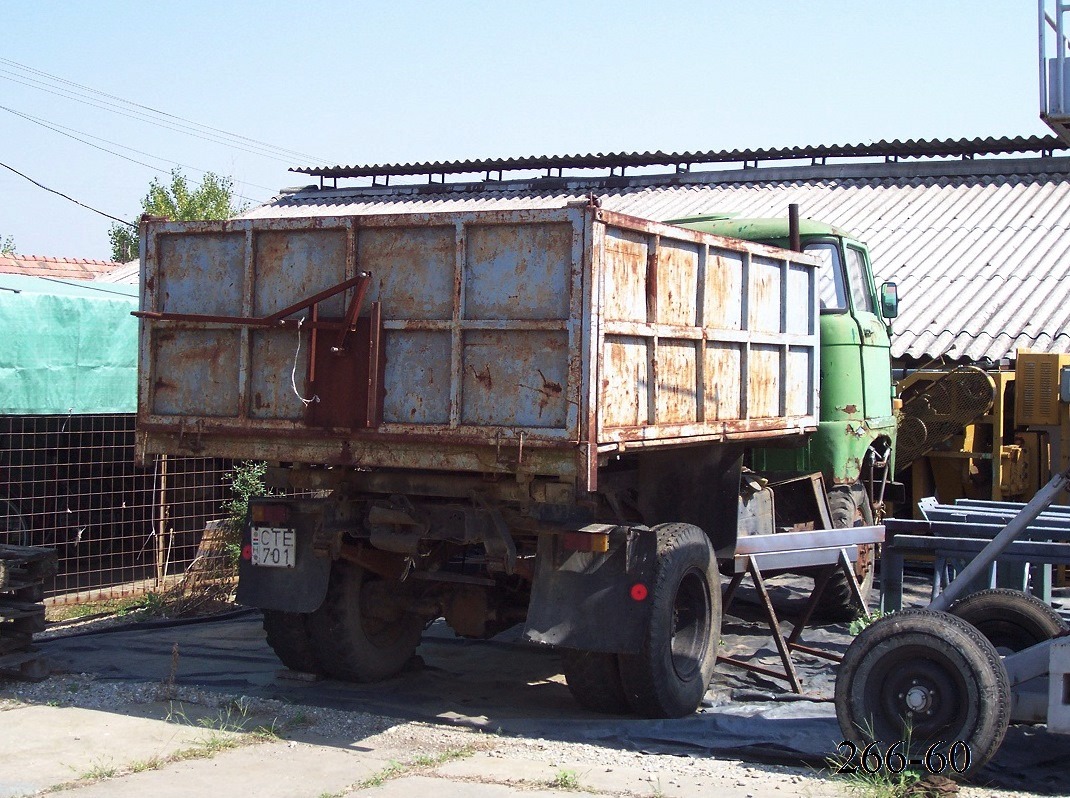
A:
(830, 285)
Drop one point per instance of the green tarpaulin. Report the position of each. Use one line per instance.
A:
(67, 346)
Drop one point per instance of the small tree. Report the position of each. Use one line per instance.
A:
(212, 199)
(7, 246)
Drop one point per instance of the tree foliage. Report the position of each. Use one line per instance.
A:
(7, 245)
(180, 202)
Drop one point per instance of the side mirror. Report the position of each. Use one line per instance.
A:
(889, 300)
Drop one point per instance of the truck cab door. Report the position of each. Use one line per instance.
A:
(873, 333)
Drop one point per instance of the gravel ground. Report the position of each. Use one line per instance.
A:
(304, 725)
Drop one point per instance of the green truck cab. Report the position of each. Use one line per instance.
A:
(854, 445)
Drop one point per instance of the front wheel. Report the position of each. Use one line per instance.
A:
(353, 636)
(849, 507)
(668, 677)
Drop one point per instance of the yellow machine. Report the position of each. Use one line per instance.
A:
(996, 435)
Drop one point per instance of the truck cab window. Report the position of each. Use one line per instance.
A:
(830, 284)
(856, 276)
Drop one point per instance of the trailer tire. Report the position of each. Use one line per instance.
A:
(1009, 619)
(287, 634)
(924, 677)
(849, 507)
(348, 642)
(593, 678)
(668, 676)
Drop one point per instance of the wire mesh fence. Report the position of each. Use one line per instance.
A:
(119, 529)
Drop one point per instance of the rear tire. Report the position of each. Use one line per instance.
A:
(924, 677)
(849, 507)
(352, 644)
(593, 678)
(668, 677)
(287, 634)
(1009, 619)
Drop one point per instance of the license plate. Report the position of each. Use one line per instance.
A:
(274, 547)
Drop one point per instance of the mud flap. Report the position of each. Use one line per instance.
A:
(298, 589)
(593, 601)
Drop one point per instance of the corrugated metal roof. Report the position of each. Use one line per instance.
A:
(980, 249)
(920, 148)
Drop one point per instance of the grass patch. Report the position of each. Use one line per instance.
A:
(99, 771)
(565, 780)
(391, 771)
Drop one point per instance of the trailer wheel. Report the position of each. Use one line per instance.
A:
(287, 634)
(924, 677)
(668, 677)
(593, 678)
(849, 507)
(353, 644)
(1009, 619)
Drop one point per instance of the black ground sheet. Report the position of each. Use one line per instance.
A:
(509, 685)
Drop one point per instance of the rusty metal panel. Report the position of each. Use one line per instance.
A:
(724, 381)
(624, 279)
(412, 270)
(203, 275)
(417, 377)
(196, 369)
(293, 264)
(515, 378)
(513, 340)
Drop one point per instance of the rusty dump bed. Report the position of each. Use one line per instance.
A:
(537, 341)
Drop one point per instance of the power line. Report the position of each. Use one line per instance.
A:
(70, 199)
(141, 118)
(58, 128)
(154, 111)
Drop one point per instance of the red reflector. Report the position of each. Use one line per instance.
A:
(247, 552)
(639, 591)
(273, 514)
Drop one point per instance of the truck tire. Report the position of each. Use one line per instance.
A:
(924, 677)
(350, 643)
(287, 634)
(668, 677)
(593, 678)
(849, 507)
(1009, 619)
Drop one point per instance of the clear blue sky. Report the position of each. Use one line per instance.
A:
(362, 82)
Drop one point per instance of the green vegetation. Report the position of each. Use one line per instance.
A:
(178, 201)
(7, 246)
(565, 780)
(246, 481)
(861, 622)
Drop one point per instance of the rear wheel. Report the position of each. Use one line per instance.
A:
(924, 677)
(354, 635)
(593, 678)
(668, 677)
(849, 507)
(287, 634)
(1009, 619)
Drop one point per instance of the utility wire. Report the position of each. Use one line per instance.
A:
(61, 129)
(273, 150)
(141, 118)
(71, 199)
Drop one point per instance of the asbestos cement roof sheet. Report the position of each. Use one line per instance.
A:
(980, 248)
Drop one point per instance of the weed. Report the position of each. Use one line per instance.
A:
(99, 770)
(861, 622)
(392, 770)
(141, 765)
(450, 754)
(565, 780)
(883, 782)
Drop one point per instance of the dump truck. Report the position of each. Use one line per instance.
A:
(535, 417)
